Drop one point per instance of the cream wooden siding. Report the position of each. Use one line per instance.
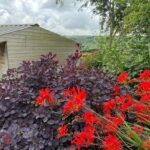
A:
(30, 43)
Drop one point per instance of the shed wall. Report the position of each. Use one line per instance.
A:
(30, 43)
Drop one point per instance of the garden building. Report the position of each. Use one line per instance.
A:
(28, 42)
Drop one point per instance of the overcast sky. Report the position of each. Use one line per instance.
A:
(65, 20)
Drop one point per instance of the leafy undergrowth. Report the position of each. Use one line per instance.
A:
(28, 127)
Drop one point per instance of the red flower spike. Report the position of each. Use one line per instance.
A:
(116, 90)
(145, 76)
(145, 98)
(118, 121)
(76, 100)
(85, 138)
(111, 128)
(108, 106)
(143, 88)
(111, 143)
(127, 104)
(68, 93)
(142, 118)
(90, 119)
(108, 115)
(45, 98)
(141, 108)
(137, 130)
(62, 131)
(146, 144)
(69, 108)
(123, 78)
(114, 124)
(120, 100)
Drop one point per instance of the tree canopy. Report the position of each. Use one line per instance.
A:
(121, 16)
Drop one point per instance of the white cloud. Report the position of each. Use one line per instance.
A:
(65, 20)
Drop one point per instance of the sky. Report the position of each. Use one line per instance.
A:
(65, 20)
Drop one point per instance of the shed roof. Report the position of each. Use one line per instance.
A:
(5, 29)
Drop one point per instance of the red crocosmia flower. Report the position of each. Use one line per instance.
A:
(116, 90)
(142, 118)
(76, 100)
(108, 106)
(62, 131)
(45, 98)
(75, 93)
(141, 108)
(111, 128)
(69, 108)
(143, 88)
(85, 138)
(79, 95)
(108, 115)
(118, 121)
(127, 103)
(123, 78)
(114, 124)
(145, 76)
(90, 119)
(72, 107)
(120, 101)
(146, 144)
(145, 98)
(40, 101)
(111, 143)
(137, 130)
(68, 93)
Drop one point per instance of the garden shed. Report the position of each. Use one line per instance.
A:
(28, 42)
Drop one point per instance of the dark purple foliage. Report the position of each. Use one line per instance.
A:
(34, 128)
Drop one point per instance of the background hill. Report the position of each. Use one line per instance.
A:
(88, 43)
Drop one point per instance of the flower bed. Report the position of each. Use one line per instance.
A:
(110, 129)
(69, 104)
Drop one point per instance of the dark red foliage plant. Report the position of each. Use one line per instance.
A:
(31, 127)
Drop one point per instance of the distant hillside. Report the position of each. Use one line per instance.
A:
(87, 42)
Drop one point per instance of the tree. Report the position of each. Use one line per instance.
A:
(111, 13)
(137, 18)
(122, 16)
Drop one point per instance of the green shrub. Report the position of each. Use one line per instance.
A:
(127, 54)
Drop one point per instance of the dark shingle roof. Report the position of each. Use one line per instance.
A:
(5, 29)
